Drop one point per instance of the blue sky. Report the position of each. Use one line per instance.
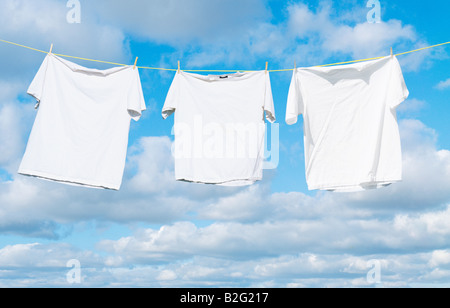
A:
(160, 233)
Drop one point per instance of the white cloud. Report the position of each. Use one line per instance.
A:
(36, 256)
(291, 263)
(412, 106)
(321, 32)
(327, 235)
(41, 265)
(153, 158)
(179, 22)
(365, 40)
(166, 275)
(45, 265)
(246, 205)
(439, 258)
(443, 85)
(9, 90)
(15, 123)
(206, 32)
(435, 223)
(40, 23)
(11, 130)
(238, 241)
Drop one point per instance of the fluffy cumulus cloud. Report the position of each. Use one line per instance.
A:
(336, 34)
(412, 107)
(443, 85)
(203, 32)
(206, 31)
(284, 237)
(40, 23)
(11, 133)
(312, 36)
(298, 270)
(323, 32)
(37, 264)
(178, 22)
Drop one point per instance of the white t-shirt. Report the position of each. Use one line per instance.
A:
(220, 126)
(80, 135)
(351, 135)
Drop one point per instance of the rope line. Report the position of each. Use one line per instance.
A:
(223, 71)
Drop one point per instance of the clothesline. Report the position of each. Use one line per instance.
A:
(170, 69)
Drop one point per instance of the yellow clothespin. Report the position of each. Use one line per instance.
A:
(51, 48)
(135, 62)
(178, 67)
(267, 65)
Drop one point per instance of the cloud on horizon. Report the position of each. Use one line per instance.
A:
(443, 85)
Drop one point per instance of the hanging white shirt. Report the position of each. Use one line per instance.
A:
(351, 135)
(80, 134)
(220, 126)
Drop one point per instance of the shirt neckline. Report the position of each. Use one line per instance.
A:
(224, 77)
(91, 71)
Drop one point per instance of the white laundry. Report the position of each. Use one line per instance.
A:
(80, 135)
(220, 126)
(351, 134)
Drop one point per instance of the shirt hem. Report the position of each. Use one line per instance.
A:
(230, 183)
(67, 180)
(355, 187)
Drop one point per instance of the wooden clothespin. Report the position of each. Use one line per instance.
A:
(135, 62)
(392, 53)
(267, 65)
(295, 66)
(178, 67)
(51, 48)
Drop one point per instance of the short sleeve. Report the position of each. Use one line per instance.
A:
(295, 104)
(172, 98)
(398, 92)
(268, 101)
(136, 101)
(36, 87)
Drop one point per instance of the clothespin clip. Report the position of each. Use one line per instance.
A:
(178, 67)
(51, 48)
(135, 62)
(295, 66)
(267, 65)
(392, 53)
